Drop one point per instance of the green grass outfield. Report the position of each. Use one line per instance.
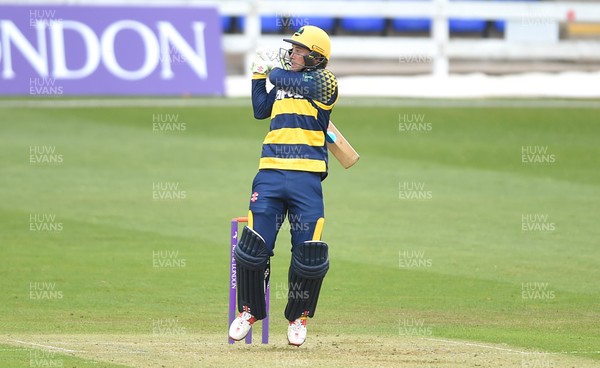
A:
(455, 265)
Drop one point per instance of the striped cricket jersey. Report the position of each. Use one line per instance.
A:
(299, 106)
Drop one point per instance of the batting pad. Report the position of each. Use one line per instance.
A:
(252, 257)
(310, 263)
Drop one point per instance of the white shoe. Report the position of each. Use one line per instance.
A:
(241, 326)
(297, 331)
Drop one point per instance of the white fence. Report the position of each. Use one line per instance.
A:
(439, 47)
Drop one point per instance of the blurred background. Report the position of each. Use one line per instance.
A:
(429, 48)
(410, 37)
(440, 38)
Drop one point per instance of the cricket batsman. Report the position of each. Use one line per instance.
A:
(292, 166)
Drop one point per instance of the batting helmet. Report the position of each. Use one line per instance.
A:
(314, 39)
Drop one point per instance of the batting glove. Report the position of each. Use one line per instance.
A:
(272, 58)
(264, 61)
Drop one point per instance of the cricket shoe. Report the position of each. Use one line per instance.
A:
(297, 331)
(241, 326)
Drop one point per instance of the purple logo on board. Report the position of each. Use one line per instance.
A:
(88, 50)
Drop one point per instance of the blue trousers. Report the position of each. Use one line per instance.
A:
(297, 195)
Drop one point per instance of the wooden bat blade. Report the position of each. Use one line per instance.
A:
(341, 148)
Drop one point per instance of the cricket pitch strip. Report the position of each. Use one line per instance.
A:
(212, 350)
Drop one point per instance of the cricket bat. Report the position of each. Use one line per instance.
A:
(339, 146)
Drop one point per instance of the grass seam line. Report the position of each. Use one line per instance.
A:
(47, 346)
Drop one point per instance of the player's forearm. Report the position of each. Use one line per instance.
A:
(262, 104)
(320, 85)
(289, 81)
